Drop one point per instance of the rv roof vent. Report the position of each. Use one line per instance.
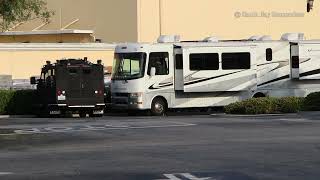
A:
(169, 39)
(292, 37)
(255, 38)
(211, 39)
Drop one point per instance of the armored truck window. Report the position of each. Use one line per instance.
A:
(86, 71)
(236, 61)
(204, 61)
(269, 54)
(73, 71)
(159, 60)
(179, 61)
(42, 76)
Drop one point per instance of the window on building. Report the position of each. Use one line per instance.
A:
(239, 60)
(269, 54)
(159, 60)
(204, 61)
(179, 61)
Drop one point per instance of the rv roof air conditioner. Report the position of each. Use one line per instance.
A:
(169, 39)
(292, 37)
(211, 39)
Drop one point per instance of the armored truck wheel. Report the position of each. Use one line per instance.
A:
(82, 114)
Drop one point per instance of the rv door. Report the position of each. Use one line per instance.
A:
(178, 72)
(295, 61)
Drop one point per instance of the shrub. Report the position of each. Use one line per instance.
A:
(312, 102)
(5, 98)
(290, 104)
(266, 105)
(16, 102)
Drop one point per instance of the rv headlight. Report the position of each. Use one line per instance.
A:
(136, 95)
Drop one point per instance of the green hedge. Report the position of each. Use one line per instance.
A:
(312, 102)
(16, 102)
(266, 105)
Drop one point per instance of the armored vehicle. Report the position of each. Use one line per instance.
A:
(70, 85)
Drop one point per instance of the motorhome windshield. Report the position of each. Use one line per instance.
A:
(129, 66)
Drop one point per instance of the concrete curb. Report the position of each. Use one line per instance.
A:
(254, 115)
(310, 113)
(16, 116)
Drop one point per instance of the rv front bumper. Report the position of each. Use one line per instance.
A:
(127, 102)
(126, 107)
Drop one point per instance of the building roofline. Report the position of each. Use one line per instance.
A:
(46, 32)
(56, 46)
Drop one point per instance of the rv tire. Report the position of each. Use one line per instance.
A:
(159, 107)
(259, 95)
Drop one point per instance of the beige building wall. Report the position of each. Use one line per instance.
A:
(148, 20)
(197, 19)
(111, 20)
(145, 20)
(22, 64)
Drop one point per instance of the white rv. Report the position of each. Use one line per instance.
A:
(174, 74)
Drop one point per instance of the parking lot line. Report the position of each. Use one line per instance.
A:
(5, 173)
(49, 130)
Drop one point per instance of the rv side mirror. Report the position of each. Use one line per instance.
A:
(153, 71)
(33, 80)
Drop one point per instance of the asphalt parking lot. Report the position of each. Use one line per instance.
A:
(182, 147)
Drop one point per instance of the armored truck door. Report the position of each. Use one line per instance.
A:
(92, 85)
(73, 82)
(87, 84)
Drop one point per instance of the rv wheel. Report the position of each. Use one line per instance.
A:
(158, 107)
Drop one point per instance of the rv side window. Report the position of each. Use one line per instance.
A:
(159, 60)
(179, 61)
(295, 62)
(204, 61)
(269, 54)
(236, 60)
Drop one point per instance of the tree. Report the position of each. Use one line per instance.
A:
(13, 12)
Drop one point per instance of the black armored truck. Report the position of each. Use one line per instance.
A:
(70, 85)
